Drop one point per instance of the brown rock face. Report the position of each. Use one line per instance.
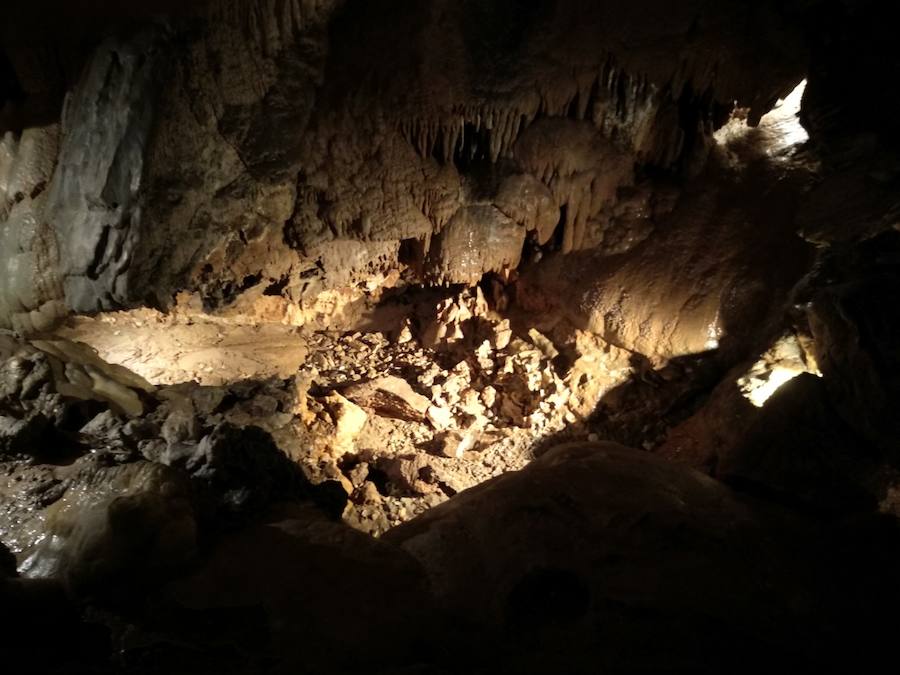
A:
(300, 587)
(600, 557)
(391, 262)
(389, 396)
(248, 146)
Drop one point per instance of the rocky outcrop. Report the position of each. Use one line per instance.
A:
(105, 479)
(285, 156)
(597, 556)
(30, 295)
(92, 203)
(295, 590)
(852, 321)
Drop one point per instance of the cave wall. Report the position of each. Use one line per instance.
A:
(274, 150)
(300, 146)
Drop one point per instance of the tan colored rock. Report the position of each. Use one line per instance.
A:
(470, 403)
(349, 419)
(502, 335)
(440, 418)
(389, 396)
(548, 349)
(405, 334)
(454, 444)
(80, 373)
(489, 397)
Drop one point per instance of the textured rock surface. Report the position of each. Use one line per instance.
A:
(280, 153)
(540, 221)
(302, 585)
(105, 479)
(600, 557)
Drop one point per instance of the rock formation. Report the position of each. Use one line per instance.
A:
(448, 336)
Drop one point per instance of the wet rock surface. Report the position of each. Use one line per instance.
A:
(188, 538)
(89, 494)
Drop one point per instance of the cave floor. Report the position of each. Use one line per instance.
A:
(167, 349)
(401, 426)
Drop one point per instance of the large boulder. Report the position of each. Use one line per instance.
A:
(598, 558)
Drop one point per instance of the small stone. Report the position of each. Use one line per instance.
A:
(548, 349)
(502, 335)
(454, 444)
(405, 335)
(470, 403)
(489, 396)
(440, 418)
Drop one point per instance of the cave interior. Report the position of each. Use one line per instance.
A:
(449, 336)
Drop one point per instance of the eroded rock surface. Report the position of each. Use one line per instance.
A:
(270, 172)
(368, 259)
(600, 557)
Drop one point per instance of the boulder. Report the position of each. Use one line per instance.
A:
(304, 595)
(389, 396)
(598, 558)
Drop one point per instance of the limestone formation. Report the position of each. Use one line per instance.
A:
(448, 336)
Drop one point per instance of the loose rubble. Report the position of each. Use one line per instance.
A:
(402, 418)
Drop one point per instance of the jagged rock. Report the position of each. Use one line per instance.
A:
(489, 396)
(103, 425)
(548, 349)
(72, 370)
(389, 396)
(470, 403)
(241, 469)
(453, 316)
(349, 419)
(181, 426)
(440, 417)
(7, 562)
